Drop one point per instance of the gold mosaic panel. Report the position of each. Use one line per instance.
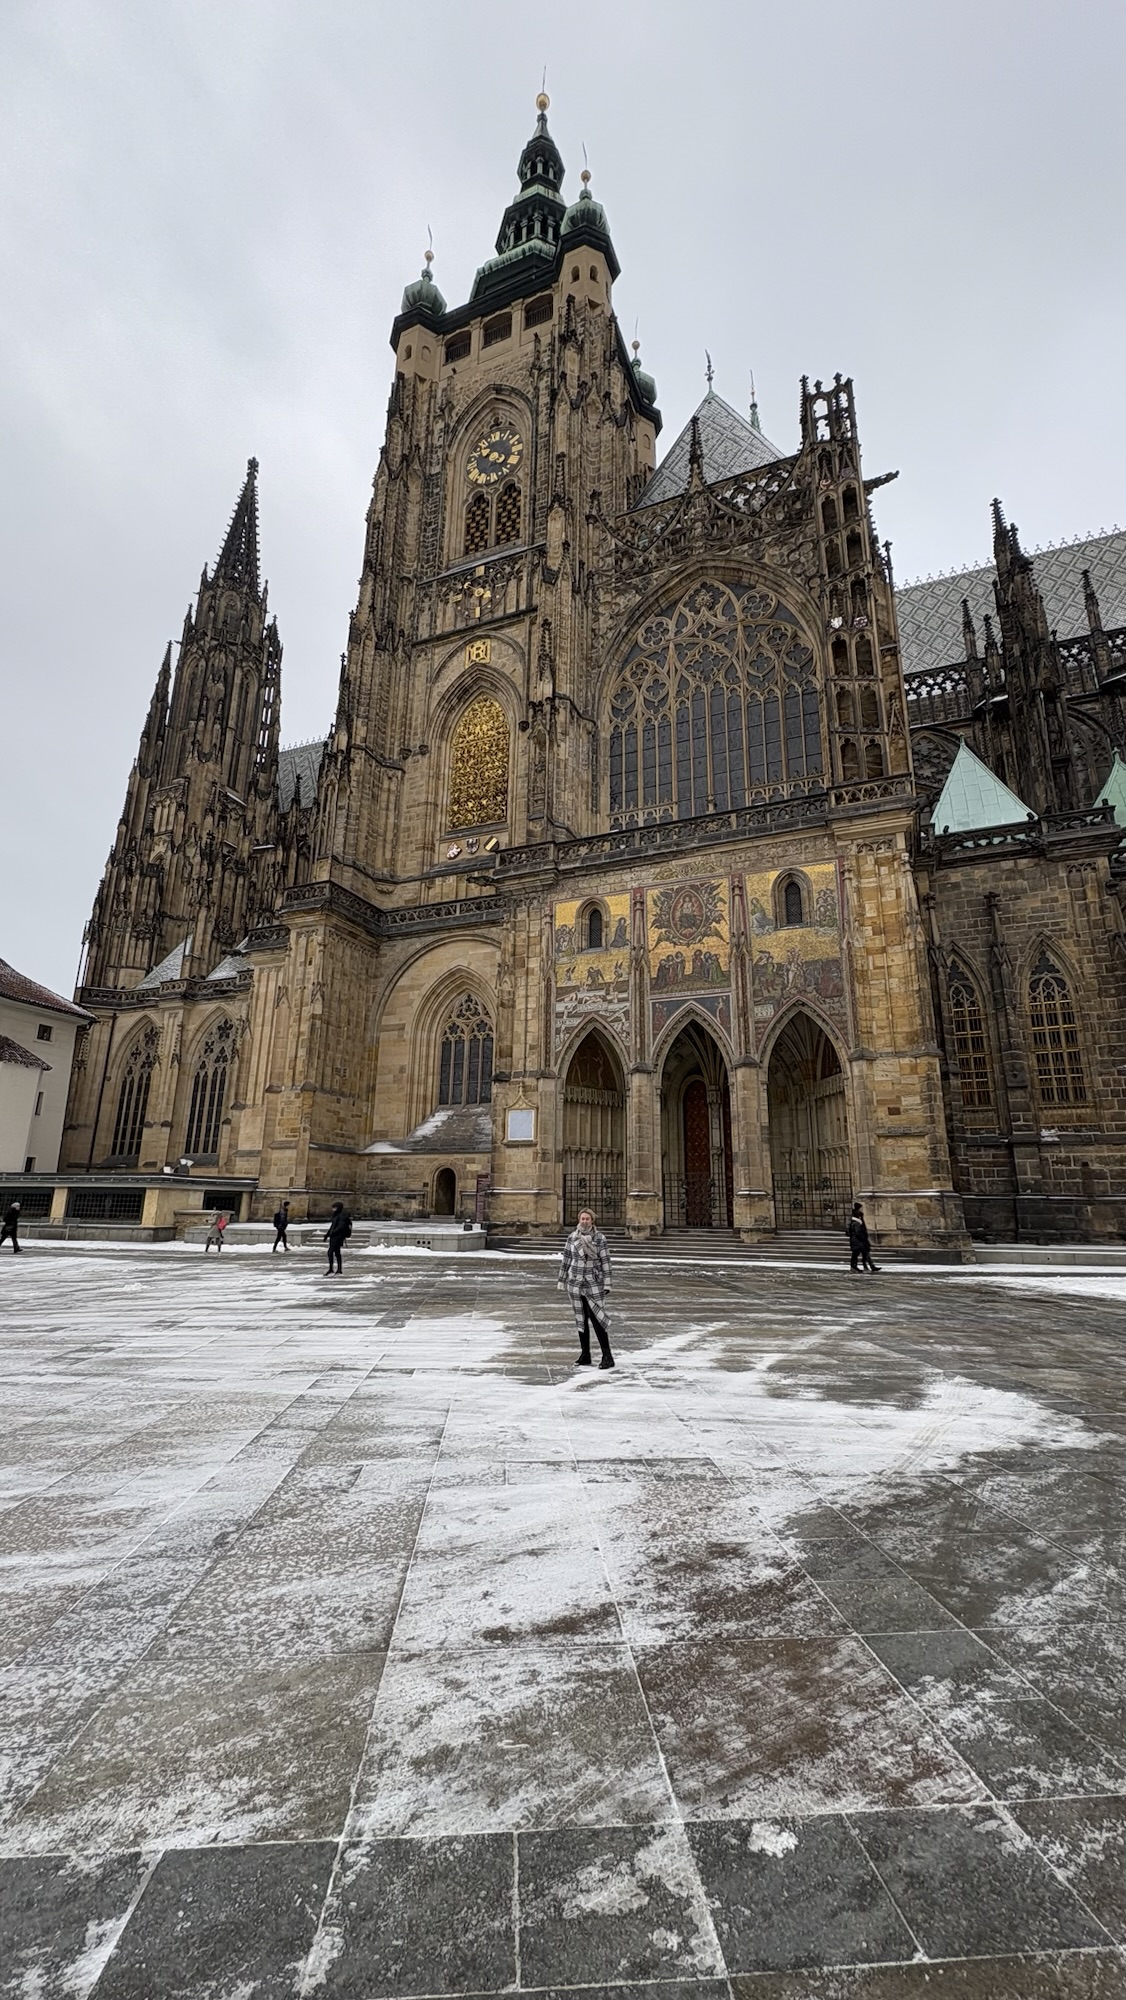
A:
(479, 767)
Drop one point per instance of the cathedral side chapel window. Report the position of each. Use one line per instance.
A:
(466, 1068)
(716, 704)
(1055, 1037)
(133, 1097)
(971, 1048)
(479, 767)
(209, 1090)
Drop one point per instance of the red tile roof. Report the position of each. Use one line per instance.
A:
(13, 986)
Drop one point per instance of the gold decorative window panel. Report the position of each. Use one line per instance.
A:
(479, 767)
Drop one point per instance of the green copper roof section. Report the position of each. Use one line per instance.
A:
(1114, 791)
(973, 798)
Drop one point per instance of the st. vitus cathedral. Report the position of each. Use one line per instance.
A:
(661, 858)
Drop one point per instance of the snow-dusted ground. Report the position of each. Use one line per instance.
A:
(353, 1641)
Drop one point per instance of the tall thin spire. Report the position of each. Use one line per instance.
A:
(238, 557)
(755, 424)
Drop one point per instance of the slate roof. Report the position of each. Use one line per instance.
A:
(14, 1052)
(730, 444)
(453, 1128)
(304, 760)
(930, 613)
(973, 797)
(169, 970)
(14, 986)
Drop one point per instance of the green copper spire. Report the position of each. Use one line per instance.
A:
(529, 231)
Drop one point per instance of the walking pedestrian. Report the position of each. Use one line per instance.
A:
(336, 1235)
(281, 1225)
(216, 1233)
(584, 1274)
(10, 1231)
(859, 1242)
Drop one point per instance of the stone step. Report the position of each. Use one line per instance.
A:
(444, 1237)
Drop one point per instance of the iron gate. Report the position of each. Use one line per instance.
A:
(810, 1200)
(603, 1194)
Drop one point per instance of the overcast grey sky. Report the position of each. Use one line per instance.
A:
(211, 207)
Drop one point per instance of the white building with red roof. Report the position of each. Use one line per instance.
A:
(38, 1030)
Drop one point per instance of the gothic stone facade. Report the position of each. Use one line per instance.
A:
(614, 890)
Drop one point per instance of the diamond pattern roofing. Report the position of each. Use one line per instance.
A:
(729, 443)
(301, 760)
(930, 613)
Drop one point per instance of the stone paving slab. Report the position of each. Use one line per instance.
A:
(353, 1644)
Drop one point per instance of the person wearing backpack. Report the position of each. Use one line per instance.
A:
(216, 1233)
(859, 1242)
(336, 1235)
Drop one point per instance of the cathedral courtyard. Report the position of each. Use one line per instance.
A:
(353, 1643)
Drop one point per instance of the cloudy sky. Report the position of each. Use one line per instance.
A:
(211, 207)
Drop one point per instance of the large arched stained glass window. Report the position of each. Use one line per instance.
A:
(716, 705)
(133, 1097)
(1055, 1037)
(465, 1074)
(971, 1044)
(209, 1091)
(479, 766)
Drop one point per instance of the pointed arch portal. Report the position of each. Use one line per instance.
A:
(696, 1155)
(808, 1129)
(594, 1133)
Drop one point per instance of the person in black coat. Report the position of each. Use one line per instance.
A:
(859, 1242)
(10, 1232)
(281, 1224)
(336, 1235)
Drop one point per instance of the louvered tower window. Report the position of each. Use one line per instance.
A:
(477, 525)
(508, 516)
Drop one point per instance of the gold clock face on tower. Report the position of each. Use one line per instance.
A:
(496, 453)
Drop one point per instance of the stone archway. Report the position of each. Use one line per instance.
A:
(696, 1155)
(808, 1129)
(594, 1133)
(445, 1191)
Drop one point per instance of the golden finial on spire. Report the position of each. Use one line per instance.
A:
(636, 345)
(585, 177)
(542, 101)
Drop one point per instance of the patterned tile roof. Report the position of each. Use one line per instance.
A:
(14, 1052)
(300, 760)
(729, 443)
(930, 613)
(169, 970)
(14, 986)
(973, 797)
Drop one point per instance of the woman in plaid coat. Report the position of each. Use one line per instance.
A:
(584, 1275)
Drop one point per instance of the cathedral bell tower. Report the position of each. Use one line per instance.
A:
(465, 719)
